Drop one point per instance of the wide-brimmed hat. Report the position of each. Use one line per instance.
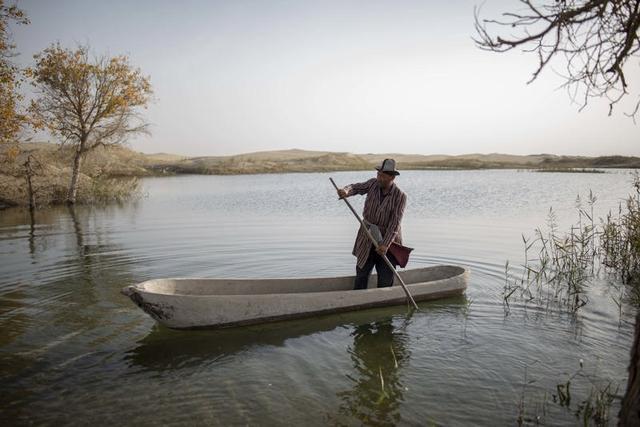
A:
(388, 166)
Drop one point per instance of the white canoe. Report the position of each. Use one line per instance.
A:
(195, 303)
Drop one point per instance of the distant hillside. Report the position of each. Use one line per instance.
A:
(121, 161)
(319, 161)
(266, 162)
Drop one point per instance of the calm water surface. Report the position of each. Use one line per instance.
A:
(73, 350)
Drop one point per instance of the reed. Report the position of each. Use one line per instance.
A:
(105, 190)
(621, 239)
(539, 412)
(558, 267)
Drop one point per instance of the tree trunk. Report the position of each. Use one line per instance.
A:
(630, 411)
(73, 187)
(28, 167)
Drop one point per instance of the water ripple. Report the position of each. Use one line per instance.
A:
(73, 348)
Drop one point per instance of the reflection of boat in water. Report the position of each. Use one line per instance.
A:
(165, 348)
(192, 303)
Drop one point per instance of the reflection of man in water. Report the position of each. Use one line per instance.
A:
(383, 207)
(377, 353)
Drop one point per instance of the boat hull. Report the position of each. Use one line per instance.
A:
(197, 303)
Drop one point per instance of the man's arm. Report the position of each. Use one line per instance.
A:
(358, 188)
(396, 218)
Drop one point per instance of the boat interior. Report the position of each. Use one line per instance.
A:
(196, 286)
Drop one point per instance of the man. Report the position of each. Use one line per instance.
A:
(383, 207)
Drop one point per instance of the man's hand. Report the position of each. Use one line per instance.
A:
(382, 249)
(341, 193)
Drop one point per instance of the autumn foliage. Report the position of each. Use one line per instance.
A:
(11, 121)
(87, 102)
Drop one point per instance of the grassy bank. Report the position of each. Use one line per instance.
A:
(110, 174)
(107, 174)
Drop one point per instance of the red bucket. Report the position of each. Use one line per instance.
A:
(400, 253)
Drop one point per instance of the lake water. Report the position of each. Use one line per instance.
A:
(73, 350)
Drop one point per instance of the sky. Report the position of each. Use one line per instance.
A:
(397, 76)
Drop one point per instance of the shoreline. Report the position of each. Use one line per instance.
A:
(8, 203)
(105, 170)
(406, 169)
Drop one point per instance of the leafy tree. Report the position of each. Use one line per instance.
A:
(11, 121)
(87, 102)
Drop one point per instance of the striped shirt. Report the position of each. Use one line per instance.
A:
(384, 211)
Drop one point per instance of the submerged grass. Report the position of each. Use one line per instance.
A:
(584, 395)
(595, 408)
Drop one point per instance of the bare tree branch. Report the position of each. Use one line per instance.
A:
(596, 38)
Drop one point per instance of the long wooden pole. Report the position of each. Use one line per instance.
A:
(375, 243)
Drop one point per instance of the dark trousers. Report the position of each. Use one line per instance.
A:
(385, 274)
